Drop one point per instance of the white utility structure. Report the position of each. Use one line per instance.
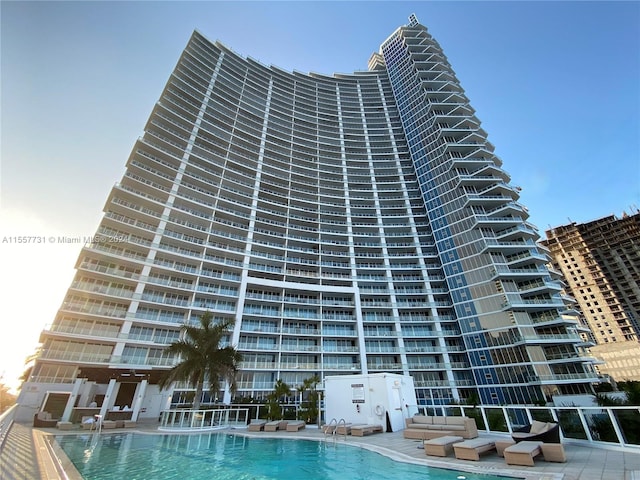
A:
(375, 399)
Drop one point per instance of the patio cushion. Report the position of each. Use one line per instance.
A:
(455, 420)
(538, 427)
(422, 420)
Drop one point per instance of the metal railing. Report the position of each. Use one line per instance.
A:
(595, 426)
(203, 419)
(6, 421)
(332, 428)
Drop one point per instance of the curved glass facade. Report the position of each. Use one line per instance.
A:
(348, 224)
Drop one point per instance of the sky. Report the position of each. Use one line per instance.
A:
(556, 86)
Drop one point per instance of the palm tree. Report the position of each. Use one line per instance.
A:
(309, 405)
(29, 363)
(280, 390)
(201, 357)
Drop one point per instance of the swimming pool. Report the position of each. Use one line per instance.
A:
(220, 456)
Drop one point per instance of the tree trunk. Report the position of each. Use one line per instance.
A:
(196, 399)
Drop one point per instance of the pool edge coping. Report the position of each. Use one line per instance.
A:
(51, 458)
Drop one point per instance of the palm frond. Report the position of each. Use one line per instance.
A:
(201, 357)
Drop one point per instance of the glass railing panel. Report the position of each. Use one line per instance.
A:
(453, 411)
(571, 424)
(542, 415)
(629, 422)
(518, 417)
(497, 422)
(600, 426)
(476, 414)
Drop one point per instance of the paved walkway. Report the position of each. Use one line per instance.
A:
(26, 456)
(18, 456)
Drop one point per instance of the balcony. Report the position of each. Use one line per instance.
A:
(550, 319)
(487, 200)
(533, 305)
(555, 338)
(516, 232)
(509, 209)
(117, 272)
(384, 367)
(504, 272)
(142, 361)
(529, 256)
(486, 221)
(300, 366)
(84, 333)
(103, 289)
(540, 286)
(94, 309)
(478, 181)
(271, 366)
(437, 366)
(504, 246)
(343, 367)
(257, 347)
(299, 348)
(77, 357)
(467, 162)
(565, 378)
(432, 383)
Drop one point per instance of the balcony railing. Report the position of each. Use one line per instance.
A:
(71, 356)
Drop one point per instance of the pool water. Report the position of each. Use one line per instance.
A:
(219, 456)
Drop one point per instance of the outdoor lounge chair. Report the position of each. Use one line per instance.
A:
(275, 425)
(344, 429)
(362, 430)
(295, 425)
(547, 432)
(332, 428)
(257, 425)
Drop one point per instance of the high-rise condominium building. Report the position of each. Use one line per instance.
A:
(347, 224)
(601, 263)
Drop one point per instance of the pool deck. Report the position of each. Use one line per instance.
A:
(26, 456)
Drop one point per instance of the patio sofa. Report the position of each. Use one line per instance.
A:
(43, 419)
(426, 427)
